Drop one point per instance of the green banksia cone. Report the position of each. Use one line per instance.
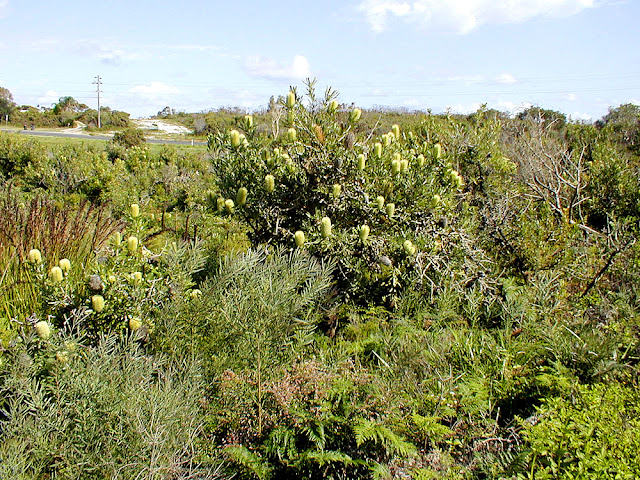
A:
(135, 323)
(404, 166)
(299, 238)
(377, 150)
(325, 229)
(380, 201)
(136, 278)
(396, 165)
(421, 160)
(397, 156)
(437, 150)
(291, 99)
(35, 256)
(292, 135)
(409, 247)
(269, 183)
(332, 106)
(56, 274)
(386, 139)
(235, 138)
(43, 330)
(241, 196)
(436, 200)
(396, 130)
(248, 121)
(97, 303)
(391, 209)
(363, 232)
(354, 115)
(117, 238)
(65, 265)
(228, 205)
(362, 161)
(336, 190)
(135, 210)
(132, 243)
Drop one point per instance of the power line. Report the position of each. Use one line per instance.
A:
(98, 83)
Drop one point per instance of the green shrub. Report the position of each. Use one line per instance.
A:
(109, 411)
(595, 434)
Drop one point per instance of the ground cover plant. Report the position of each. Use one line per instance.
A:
(324, 292)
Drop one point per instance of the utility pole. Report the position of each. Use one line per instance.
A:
(98, 82)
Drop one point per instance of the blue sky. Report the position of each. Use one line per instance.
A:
(576, 56)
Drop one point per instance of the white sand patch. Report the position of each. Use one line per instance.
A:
(160, 126)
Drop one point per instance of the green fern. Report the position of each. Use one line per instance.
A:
(393, 444)
(251, 461)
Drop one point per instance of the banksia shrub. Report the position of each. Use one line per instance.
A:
(132, 244)
(135, 210)
(377, 150)
(43, 330)
(325, 228)
(391, 209)
(437, 150)
(299, 238)
(241, 197)
(134, 323)
(362, 161)
(35, 256)
(363, 232)
(235, 138)
(291, 99)
(409, 247)
(97, 303)
(56, 274)
(269, 183)
(65, 265)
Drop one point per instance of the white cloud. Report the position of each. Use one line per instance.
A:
(464, 16)
(506, 79)
(154, 89)
(48, 98)
(298, 69)
(107, 52)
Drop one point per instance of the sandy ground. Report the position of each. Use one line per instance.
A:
(160, 126)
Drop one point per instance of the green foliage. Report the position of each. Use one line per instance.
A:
(130, 137)
(109, 411)
(595, 434)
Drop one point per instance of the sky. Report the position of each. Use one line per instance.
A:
(579, 57)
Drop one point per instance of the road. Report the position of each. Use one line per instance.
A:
(45, 133)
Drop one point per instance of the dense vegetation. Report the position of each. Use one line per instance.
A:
(325, 293)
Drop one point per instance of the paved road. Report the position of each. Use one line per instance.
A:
(99, 137)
